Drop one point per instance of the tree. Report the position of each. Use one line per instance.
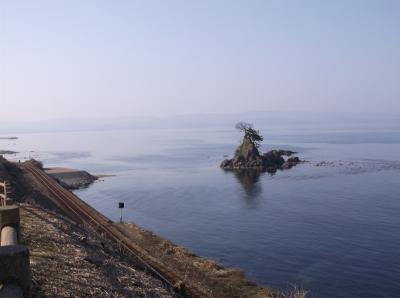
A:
(250, 133)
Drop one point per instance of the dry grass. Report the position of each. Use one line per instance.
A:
(68, 261)
(294, 292)
(213, 279)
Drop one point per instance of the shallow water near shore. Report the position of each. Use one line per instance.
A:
(330, 225)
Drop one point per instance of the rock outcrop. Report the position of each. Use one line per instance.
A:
(247, 156)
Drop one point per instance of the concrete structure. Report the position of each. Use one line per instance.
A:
(9, 202)
(15, 276)
(9, 216)
(15, 271)
(9, 236)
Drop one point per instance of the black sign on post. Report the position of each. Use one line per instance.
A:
(121, 206)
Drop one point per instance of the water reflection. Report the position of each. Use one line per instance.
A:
(249, 180)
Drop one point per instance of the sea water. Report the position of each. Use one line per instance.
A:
(330, 225)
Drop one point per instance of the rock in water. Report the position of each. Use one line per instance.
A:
(273, 159)
(247, 156)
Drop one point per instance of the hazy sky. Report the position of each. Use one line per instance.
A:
(110, 58)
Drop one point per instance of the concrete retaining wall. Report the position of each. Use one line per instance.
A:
(15, 275)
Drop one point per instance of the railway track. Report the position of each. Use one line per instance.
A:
(82, 213)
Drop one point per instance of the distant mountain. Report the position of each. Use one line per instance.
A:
(208, 121)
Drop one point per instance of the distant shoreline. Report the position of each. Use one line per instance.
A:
(8, 152)
(8, 138)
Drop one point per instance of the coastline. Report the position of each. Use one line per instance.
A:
(193, 271)
(213, 279)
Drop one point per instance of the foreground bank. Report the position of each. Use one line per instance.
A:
(68, 260)
(197, 276)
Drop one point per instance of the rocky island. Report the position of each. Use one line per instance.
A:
(247, 155)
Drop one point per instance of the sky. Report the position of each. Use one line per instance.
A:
(103, 59)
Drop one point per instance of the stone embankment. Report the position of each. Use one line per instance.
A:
(71, 178)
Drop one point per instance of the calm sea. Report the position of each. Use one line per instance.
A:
(331, 225)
